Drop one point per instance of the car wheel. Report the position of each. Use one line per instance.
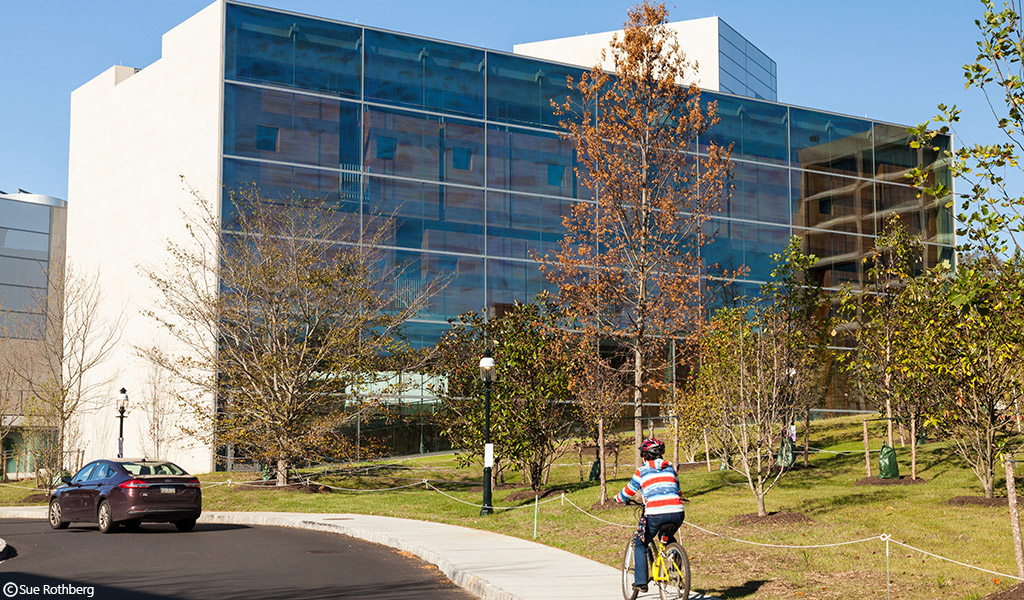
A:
(131, 525)
(105, 518)
(56, 515)
(185, 524)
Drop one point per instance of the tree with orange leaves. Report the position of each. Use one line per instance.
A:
(628, 264)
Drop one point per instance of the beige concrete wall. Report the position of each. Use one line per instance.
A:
(697, 37)
(134, 135)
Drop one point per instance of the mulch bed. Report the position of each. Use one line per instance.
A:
(773, 518)
(903, 480)
(1013, 593)
(979, 501)
(530, 495)
(35, 498)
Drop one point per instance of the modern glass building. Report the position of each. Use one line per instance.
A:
(460, 144)
(32, 229)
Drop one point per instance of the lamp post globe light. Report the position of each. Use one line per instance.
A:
(487, 375)
(122, 400)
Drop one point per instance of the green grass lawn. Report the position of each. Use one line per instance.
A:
(826, 493)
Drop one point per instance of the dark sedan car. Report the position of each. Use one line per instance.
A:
(127, 492)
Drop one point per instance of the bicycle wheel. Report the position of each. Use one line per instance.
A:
(678, 566)
(628, 568)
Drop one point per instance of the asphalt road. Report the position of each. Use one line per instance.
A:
(214, 561)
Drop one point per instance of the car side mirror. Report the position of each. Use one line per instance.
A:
(65, 480)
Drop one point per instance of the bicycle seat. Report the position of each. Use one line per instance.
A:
(665, 531)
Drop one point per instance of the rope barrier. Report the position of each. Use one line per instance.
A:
(956, 562)
(789, 546)
(400, 487)
(538, 502)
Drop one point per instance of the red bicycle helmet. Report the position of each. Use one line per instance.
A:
(652, 449)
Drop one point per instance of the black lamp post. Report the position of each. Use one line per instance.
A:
(122, 400)
(487, 375)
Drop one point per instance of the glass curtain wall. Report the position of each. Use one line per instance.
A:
(461, 147)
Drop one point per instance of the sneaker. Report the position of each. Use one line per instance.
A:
(640, 588)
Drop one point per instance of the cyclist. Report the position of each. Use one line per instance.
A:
(658, 485)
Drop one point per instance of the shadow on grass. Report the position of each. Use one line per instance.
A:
(737, 591)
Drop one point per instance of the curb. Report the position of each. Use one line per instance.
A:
(475, 585)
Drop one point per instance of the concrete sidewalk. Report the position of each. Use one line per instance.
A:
(489, 565)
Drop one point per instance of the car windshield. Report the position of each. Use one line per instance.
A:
(148, 468)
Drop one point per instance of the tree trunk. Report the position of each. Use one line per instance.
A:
(913, 448)
(707, 450)
(600, 458)
(807, 435)
(761, 512)
(282, 472)
(638, 401)
(675, 437)
(1011, 495)
(888, 416)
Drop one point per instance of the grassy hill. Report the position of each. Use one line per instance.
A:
(836, 507)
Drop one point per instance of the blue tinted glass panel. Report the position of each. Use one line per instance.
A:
(23, 215)
(282, 183)
(23, 271)
(289, 127)
(729, 294)
(24, 244)
(25, 326)
(22, 299)
(508, 281)
(421, 73)
(736, 244)
(923, 216)
(760, 193)
(462, 277)
(424, 216)
(826, 201)
(894, 157)
(532, 161)
(756, 130)
(424, 334)
(521, 90)
(518, 226)
(422, 146)
(840, 256)
(294, 51)
(830, 143)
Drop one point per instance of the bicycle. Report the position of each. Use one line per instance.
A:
(668, 566)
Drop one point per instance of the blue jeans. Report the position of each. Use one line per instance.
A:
(654, 522)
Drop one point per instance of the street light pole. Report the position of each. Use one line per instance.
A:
(487, 374)
(123, 399)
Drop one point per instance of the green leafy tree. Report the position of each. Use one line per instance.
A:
(992, 213)
(972, 353)
(879, 320)
(531, 397)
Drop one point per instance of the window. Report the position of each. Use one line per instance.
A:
(462, 158)
(266, 138)
(386, 147)
(555, 173)
(85, 474)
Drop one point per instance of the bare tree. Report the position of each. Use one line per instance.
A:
(69, 341)
(290, 318)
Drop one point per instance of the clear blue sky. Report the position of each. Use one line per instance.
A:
(890, 60)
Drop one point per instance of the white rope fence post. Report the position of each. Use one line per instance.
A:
(888, 578)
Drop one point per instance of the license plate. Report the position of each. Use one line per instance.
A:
(167, 490)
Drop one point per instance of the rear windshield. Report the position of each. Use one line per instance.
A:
(149, 468)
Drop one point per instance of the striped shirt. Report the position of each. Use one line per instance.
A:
(658, 486)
